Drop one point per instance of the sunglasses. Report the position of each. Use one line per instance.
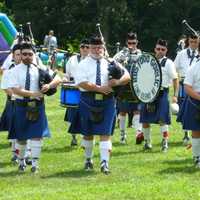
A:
(160, 49)
(132, 42)
(84, 46)
(97, 47)
(27, 54)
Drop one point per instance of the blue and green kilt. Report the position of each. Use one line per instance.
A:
(104, 127)
(22, 128)
(6, 116)
(161, 111)
(125, 106)
(181, 93)
(70, 114)
(73, 116)
(190, 114)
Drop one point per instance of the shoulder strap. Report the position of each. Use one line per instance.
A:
(79, 58)
(163, 62)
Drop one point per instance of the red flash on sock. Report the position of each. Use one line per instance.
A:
(165, 134)
(17, 151)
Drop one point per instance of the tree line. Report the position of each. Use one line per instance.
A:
(73, 20)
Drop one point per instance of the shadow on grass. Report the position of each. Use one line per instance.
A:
(142, 151)
(5, 164)
(9, 174)
(183, 169)
(59, 149)
(4, 146)
(178, 162)
(179, 166)
(71, 173)
(171, 144)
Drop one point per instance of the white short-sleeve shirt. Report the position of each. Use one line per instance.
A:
(168, 72)
(5, 79)
(8, 62)
(192, 77)
(87, 71)
(17, 78)
(71, 66)
(182, 61)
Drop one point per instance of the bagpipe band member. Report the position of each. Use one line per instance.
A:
(8, 109)
(97, 103)
(71, 70)
(183, 61)
(158, 111)
(127, 57)
(29, 119)
(190, 111)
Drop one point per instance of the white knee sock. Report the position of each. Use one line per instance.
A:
(147, 135)
(21, 152)
(122, 122)
(28, 149)
(136, 122)
(105, 150)
(196, 147)
(164, 131)
(13, 147)
(36, 146)
(88, 147)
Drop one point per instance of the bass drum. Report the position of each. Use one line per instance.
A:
(146, 78)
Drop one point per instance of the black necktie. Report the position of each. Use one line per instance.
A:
(98, 73)
(11, 66)
(28, 78)
(192, 57)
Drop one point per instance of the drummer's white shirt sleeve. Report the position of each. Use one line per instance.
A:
(68, 67)
(171, 69)
(193, 77)
(7, 63)
(5, 79)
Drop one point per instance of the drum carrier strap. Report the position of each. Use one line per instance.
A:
(163, 62)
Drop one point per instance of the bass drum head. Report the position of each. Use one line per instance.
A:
(146, 78)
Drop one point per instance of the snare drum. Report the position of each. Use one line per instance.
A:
(69, 95)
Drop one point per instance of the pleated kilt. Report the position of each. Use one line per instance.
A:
(181, 93)
(125, 106)
(189, 114)
(73, 116)
(22, 128)
(106, 126)
(70, 114)
(161, 112)
(6, 115)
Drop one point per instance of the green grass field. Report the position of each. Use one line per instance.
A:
(136, 175)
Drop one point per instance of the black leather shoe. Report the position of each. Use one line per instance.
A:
(88, 165)
(28, 161)
(104, 167)
(21, 168)
(34, 169)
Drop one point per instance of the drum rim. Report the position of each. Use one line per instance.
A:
(160, 71)
(69, 105)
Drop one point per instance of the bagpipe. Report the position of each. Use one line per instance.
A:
(45, 78)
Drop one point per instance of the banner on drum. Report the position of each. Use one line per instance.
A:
(146, 78)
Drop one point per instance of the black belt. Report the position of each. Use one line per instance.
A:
(162, 90)
(25, 103)
(97, 96)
